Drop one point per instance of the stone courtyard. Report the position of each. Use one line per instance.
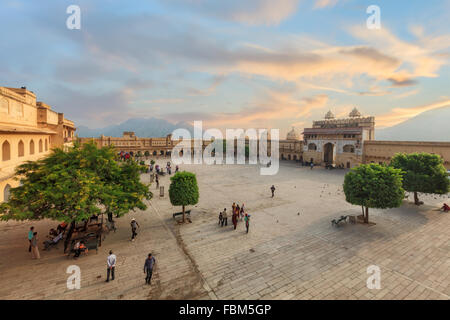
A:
(291, 252)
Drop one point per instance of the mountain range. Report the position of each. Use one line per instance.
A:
(433, 125)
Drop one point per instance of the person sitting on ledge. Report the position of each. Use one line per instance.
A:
(445, 208)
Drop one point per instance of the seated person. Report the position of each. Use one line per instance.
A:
(445, 207)
(53, 241)
(53, 233)
(80, 247)
(62, 227)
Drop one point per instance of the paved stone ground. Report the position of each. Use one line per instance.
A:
(291, 251)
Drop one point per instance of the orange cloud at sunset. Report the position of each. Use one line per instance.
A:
(398, 115)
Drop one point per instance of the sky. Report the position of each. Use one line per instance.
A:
(231, 64)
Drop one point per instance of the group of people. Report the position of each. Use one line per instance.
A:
(111, 262)
(238, 213)
(53, 237)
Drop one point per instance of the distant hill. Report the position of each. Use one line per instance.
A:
(433, 125)
(143, 127)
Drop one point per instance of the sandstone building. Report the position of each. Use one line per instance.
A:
(28, 131)
(338, 141)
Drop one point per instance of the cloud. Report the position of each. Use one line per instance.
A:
(216, 81)
(268, 108)
(250, 12)
(398, 115)
(320, 4)
(418, 59)
(402, 82)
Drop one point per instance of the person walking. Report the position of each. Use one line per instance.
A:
(30, 236)
(234, 219)
(241, 213)
(224, 217)
(247, 221)
(272, 188)
(134, 226)
(34, 247)
(157, 181)
(220, 218)
(233, 207)
(111, 264)
(148, 268)
(311, 165)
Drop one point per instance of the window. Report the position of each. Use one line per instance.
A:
(21, 148)
(46, 145)
(349, 148)
(40, 145)
(6, 151)
(31, 146)
(312, 147)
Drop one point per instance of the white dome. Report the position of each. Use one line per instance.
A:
(329, 115)
(293, 135)
(355, 113)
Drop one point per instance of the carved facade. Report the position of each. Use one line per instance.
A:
(28, 131)
(338, 141)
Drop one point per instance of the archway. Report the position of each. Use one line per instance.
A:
(6, 151)
(328, 153)
(6, 192)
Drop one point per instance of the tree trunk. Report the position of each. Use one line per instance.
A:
(183, 213)
(366, 217)
(416, 198)
(101, 232)
(69, 235)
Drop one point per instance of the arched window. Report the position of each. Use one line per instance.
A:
(40, 145)
(21, 148)
(6, 151)
(31, 146)
(46, 145)
(312, 147)
(349, 148)
(6, 192)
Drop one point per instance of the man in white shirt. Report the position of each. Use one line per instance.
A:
(111, 262)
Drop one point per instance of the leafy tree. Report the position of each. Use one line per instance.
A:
(139, 154)
(183, 190)
(147, 153)
(74, 185)
(423, 172)
(152, 161)
(374, 186)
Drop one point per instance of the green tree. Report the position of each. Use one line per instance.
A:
(423, 172)
(152, 161)
(147, 153)
(139, 154)
(374, 186)
(74, 185)
(183, 190)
